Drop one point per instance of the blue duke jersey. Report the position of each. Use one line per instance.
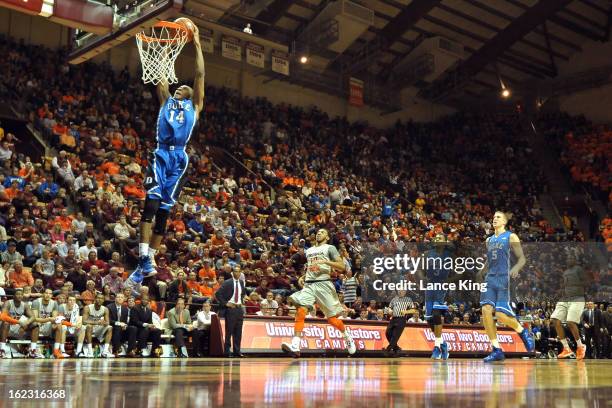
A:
(498, 275)
(436, 273)
(176, 121)
(498, 255)
(169, 162)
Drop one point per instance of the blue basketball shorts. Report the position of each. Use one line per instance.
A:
(498, 295)
(434, 300)
(166, 176)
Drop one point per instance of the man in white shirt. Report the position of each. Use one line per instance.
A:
(5, 152)
(66, 174)
(123, 229)
(68, 244)
(47, 264)
(269, 305)
(86, 249)
(83, 181)
(79, 224)
(55, 162)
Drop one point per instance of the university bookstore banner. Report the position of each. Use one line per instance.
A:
(265, 335)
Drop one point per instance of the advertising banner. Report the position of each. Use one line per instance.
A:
(261, 335)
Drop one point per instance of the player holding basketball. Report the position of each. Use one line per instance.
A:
(497, 295)
(570, 308)
(168, 163)
(318, 288)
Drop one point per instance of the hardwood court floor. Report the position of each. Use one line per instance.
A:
(341, 382)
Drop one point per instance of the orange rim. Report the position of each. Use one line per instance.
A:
(167, 24)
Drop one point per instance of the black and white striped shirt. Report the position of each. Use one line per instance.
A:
(350, 289)
(399, 304)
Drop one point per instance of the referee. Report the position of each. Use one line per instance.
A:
(399, 307)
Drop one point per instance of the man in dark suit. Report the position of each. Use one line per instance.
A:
(230, 296)
(142, 319)
(592, 322)
(119, 316)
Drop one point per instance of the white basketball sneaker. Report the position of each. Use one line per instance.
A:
(5, 354)
(35, 353)
(292, 348)
(350, 343)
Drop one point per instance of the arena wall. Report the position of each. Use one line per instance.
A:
(32, 29)
(222, 72)
(593, 103)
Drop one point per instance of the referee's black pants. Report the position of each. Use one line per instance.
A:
(394, 331)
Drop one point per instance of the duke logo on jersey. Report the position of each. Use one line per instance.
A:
(168, 163)
(498, 276)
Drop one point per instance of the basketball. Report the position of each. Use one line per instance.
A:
(187, 23)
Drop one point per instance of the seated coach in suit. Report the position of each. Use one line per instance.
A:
(230, 296)
(142, 319)
(179, 321)
(119, 317)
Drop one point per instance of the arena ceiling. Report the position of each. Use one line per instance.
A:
(515, 39)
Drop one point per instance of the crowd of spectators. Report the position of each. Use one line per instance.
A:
(584, 149)
(70, 222)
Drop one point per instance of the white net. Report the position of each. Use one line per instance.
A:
(159, 49)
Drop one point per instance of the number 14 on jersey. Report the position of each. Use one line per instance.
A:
(180, 117)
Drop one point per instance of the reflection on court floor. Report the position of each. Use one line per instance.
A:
(313, 382)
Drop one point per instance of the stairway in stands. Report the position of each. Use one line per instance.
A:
(559, 196)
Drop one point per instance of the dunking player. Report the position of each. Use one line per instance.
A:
(497, 295)
(570, 308)
(164, 180)
(435, 305)
(318, 289)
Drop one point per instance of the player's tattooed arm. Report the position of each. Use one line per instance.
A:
(515, 244)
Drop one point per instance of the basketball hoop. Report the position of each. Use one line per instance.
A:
(159, 49)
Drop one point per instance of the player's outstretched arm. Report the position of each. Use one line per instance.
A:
(515, 243)
(200, 72)
(163, 91)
